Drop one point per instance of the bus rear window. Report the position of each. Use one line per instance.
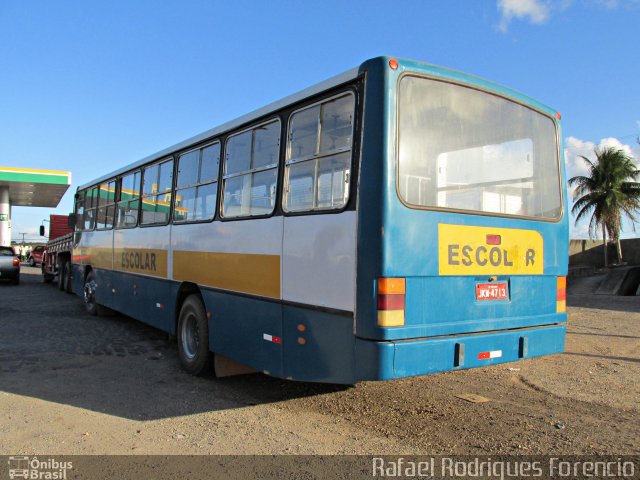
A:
(466, 149)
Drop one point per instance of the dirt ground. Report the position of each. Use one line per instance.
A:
(75, 384)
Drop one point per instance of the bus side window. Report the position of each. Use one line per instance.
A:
(80, 211)
(106, 207)
(318, 162)
(251, 171)
(156, 193)
(197, 184)
(91, 203)
(128, 201)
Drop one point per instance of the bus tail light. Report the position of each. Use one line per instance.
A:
(561, 295)
(391, 302)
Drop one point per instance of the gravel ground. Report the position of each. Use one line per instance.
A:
(75, 384)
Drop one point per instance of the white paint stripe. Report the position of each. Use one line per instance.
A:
(495, 354)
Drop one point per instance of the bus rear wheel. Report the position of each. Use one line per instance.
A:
(193, 338)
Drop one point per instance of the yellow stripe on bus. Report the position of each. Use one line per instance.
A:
(132, 260)
(239, 272)
(95, 256)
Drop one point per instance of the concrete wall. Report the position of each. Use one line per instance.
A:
(589, 252)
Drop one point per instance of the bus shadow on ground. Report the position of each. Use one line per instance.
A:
(52, 350)
(604, 302)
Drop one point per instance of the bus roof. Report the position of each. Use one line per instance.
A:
(307, 92)
(340, 79)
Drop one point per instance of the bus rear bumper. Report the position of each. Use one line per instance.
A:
(396, 359)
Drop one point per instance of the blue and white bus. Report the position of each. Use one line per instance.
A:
(399, 219)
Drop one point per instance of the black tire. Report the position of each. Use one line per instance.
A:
(47, 278)
(61, 267)
(89, 296)
(193, 338)
(16, 281)
(32, 262)
(66, 277)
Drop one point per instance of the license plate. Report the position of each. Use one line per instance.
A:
(492, 291)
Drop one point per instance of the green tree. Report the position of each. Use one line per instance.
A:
(606, 193)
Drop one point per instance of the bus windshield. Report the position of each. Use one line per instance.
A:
(465, 149)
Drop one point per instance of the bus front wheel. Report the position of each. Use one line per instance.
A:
(193, 338)
(89, 296)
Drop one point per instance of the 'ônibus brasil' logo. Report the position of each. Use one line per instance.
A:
(37, 469)
(464, 250)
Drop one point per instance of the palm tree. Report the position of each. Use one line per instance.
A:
(609, 190)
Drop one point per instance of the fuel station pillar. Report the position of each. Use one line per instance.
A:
(5, 217)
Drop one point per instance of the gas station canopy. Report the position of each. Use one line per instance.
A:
(25, 187)
(34, 188)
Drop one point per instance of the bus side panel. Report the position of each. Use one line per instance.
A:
(241, 256)
(318, 260)
(318, 346)
(77, 279)
(149, 300)
(372, 193)
(246, 329)
(146, 299)
(237, 267)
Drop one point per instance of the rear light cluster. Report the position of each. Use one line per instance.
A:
(391, 302)
(561, 295)
(16, 262)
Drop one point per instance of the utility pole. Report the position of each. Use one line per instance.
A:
(23, 234)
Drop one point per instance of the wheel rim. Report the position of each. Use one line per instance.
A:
(89, 292)
(190, 336)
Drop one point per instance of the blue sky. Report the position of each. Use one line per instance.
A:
(90, 86)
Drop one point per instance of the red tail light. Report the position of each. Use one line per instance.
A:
(561, 295)
(391, 300)
(16, 262)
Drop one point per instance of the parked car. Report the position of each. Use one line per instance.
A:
(9, 265)
(35, 257)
